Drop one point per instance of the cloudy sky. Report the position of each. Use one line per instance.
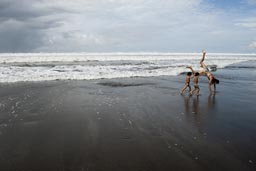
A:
(128, 26)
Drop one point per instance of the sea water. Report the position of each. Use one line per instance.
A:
(16, 67)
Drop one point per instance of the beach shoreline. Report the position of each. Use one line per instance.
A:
(140, 123)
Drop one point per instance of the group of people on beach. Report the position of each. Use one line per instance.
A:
(205, 72)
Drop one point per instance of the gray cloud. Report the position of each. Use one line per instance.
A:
(19, 40)
(25, 9)
(115, 25)
(24, 25)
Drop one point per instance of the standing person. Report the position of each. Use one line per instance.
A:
(196, 86)
(187, 83)
(212, 80)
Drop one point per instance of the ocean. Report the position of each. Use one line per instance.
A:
(27, 67)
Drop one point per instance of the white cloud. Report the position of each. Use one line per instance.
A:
(251, 2)
(121, 25)
(253, 45)
(247, 23)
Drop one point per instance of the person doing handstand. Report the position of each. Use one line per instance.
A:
(212, 80)
(196, 86)
(187, 83)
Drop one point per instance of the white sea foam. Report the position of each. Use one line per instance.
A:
(78, 66)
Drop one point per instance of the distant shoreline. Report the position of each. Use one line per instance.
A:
(124, 53)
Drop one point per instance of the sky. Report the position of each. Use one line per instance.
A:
(224, 26)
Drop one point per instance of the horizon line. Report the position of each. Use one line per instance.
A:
(131, 53)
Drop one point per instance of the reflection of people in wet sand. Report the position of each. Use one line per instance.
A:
(211, 100)
(196, 107)
(186, 103)
(212, 80)
(196, 86)
(187, 83)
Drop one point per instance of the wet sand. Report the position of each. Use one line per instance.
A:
(126, 124)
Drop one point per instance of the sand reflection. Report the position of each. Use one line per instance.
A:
(198, 108)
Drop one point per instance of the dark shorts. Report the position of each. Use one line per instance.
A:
(196, 87)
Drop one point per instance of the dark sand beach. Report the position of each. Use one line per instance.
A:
(127, 125)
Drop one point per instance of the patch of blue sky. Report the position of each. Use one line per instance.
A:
(242, 8)
(233, 4)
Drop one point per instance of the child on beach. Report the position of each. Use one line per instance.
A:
(212, 80)
(196, 86)
(187, 83)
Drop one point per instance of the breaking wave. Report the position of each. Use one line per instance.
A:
(84, 66)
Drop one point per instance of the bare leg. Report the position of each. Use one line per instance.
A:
(184, 88)
(192, 91)
(202, 60)
(198, 92)
(203, 64)
(189, 87)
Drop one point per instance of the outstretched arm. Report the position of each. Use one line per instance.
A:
(209, 85)
(191, 69)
